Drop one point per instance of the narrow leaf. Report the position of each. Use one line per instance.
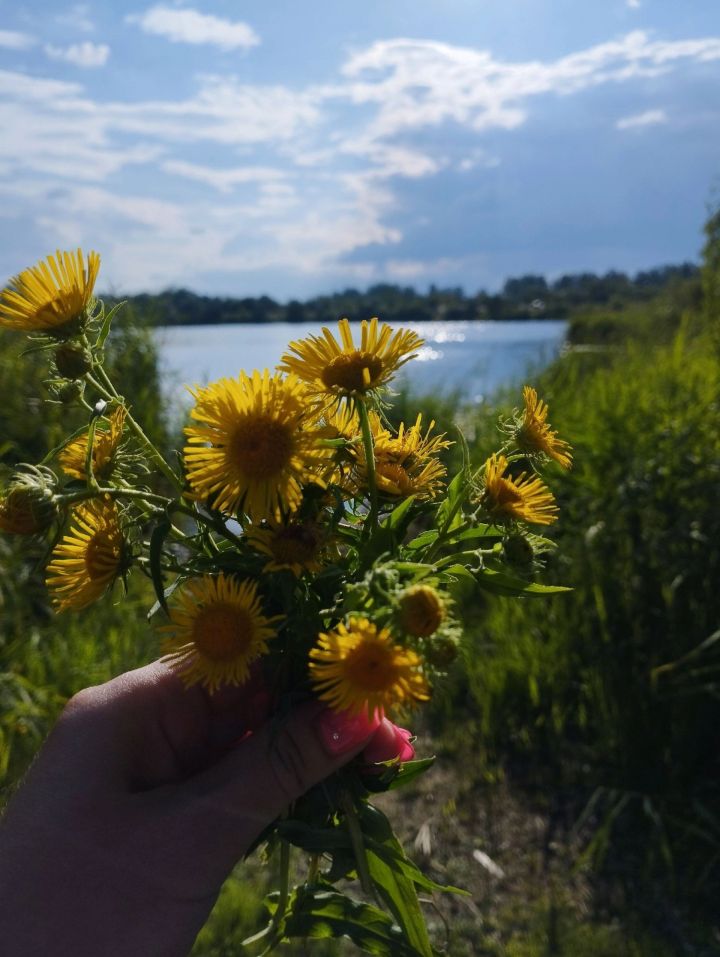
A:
(107, 322)
(322, 914)
(157, 540)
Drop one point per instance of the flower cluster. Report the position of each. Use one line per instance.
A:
(298, 535)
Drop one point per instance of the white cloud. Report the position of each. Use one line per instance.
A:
(86, 54)
(224, 180)
(633, 4)
(77, 18)
(639, 120)
(299, 180)
(12, 40)
(184, 25)
(417, 84)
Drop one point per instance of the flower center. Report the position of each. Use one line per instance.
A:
(102, 555)
(261, 446)
(393, 478)
(65, 306)
(506, 495)
(356, 372)
(371, 666)
(296, 544)
(222, 632)
(421, 611)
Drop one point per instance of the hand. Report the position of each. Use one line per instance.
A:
(143, 798)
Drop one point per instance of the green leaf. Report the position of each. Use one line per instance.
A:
(400, 513)
(480, 532)
(409, 771)
(319, 913)
(454, 572)
(107, 322)
(157, 540)
(385, 858)
(501, 583)
(394, 775)
(423, 540)
(166, 593)
(314, 840)
(381, 841)
(418, 569)
(449, 512)
(465, 449)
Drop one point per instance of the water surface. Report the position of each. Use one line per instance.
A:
(474, 359)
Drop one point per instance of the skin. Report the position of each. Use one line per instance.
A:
(140, 803)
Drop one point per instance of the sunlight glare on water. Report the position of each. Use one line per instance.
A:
(472, 359)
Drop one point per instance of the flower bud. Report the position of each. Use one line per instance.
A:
(442, 651)
(518, 550)
(421, 610)
(29, 506)
(68, 391)
(72, 360)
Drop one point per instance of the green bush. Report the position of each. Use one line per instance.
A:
(613, 691)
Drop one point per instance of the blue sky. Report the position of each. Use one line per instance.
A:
(294, 148)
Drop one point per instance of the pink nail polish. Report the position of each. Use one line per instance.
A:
(341, 732)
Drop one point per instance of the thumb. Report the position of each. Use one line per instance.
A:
(252, 785)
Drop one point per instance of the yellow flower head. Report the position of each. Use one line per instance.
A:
(253, 445)
(291, 545)
(217, 629)
(50, 296)
(535, 434)
(106, 442)
(341, 368)
(357, 668)
(526, 499)
(406, 464)
(89, 557)
(422, 610)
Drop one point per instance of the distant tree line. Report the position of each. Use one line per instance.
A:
(524, 297)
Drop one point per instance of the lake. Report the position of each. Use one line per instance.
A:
(473, 359)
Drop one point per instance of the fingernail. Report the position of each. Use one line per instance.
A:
(341, 732)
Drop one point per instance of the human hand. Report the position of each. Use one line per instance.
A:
(143, 798)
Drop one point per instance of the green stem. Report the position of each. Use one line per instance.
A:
(93, 484)
(371, 520)
(151, 499)
(108, 389)
(72, 497)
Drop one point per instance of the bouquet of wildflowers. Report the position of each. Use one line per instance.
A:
(297, 543)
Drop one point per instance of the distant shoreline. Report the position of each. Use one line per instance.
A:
(524, 298)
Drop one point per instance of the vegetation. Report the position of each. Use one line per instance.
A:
(527, 297)
(595, 714)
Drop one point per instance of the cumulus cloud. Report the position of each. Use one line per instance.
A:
(87, 55)
(417, 84)
(184, 25)
(640, 120)
(12, 40)
(303, 180)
